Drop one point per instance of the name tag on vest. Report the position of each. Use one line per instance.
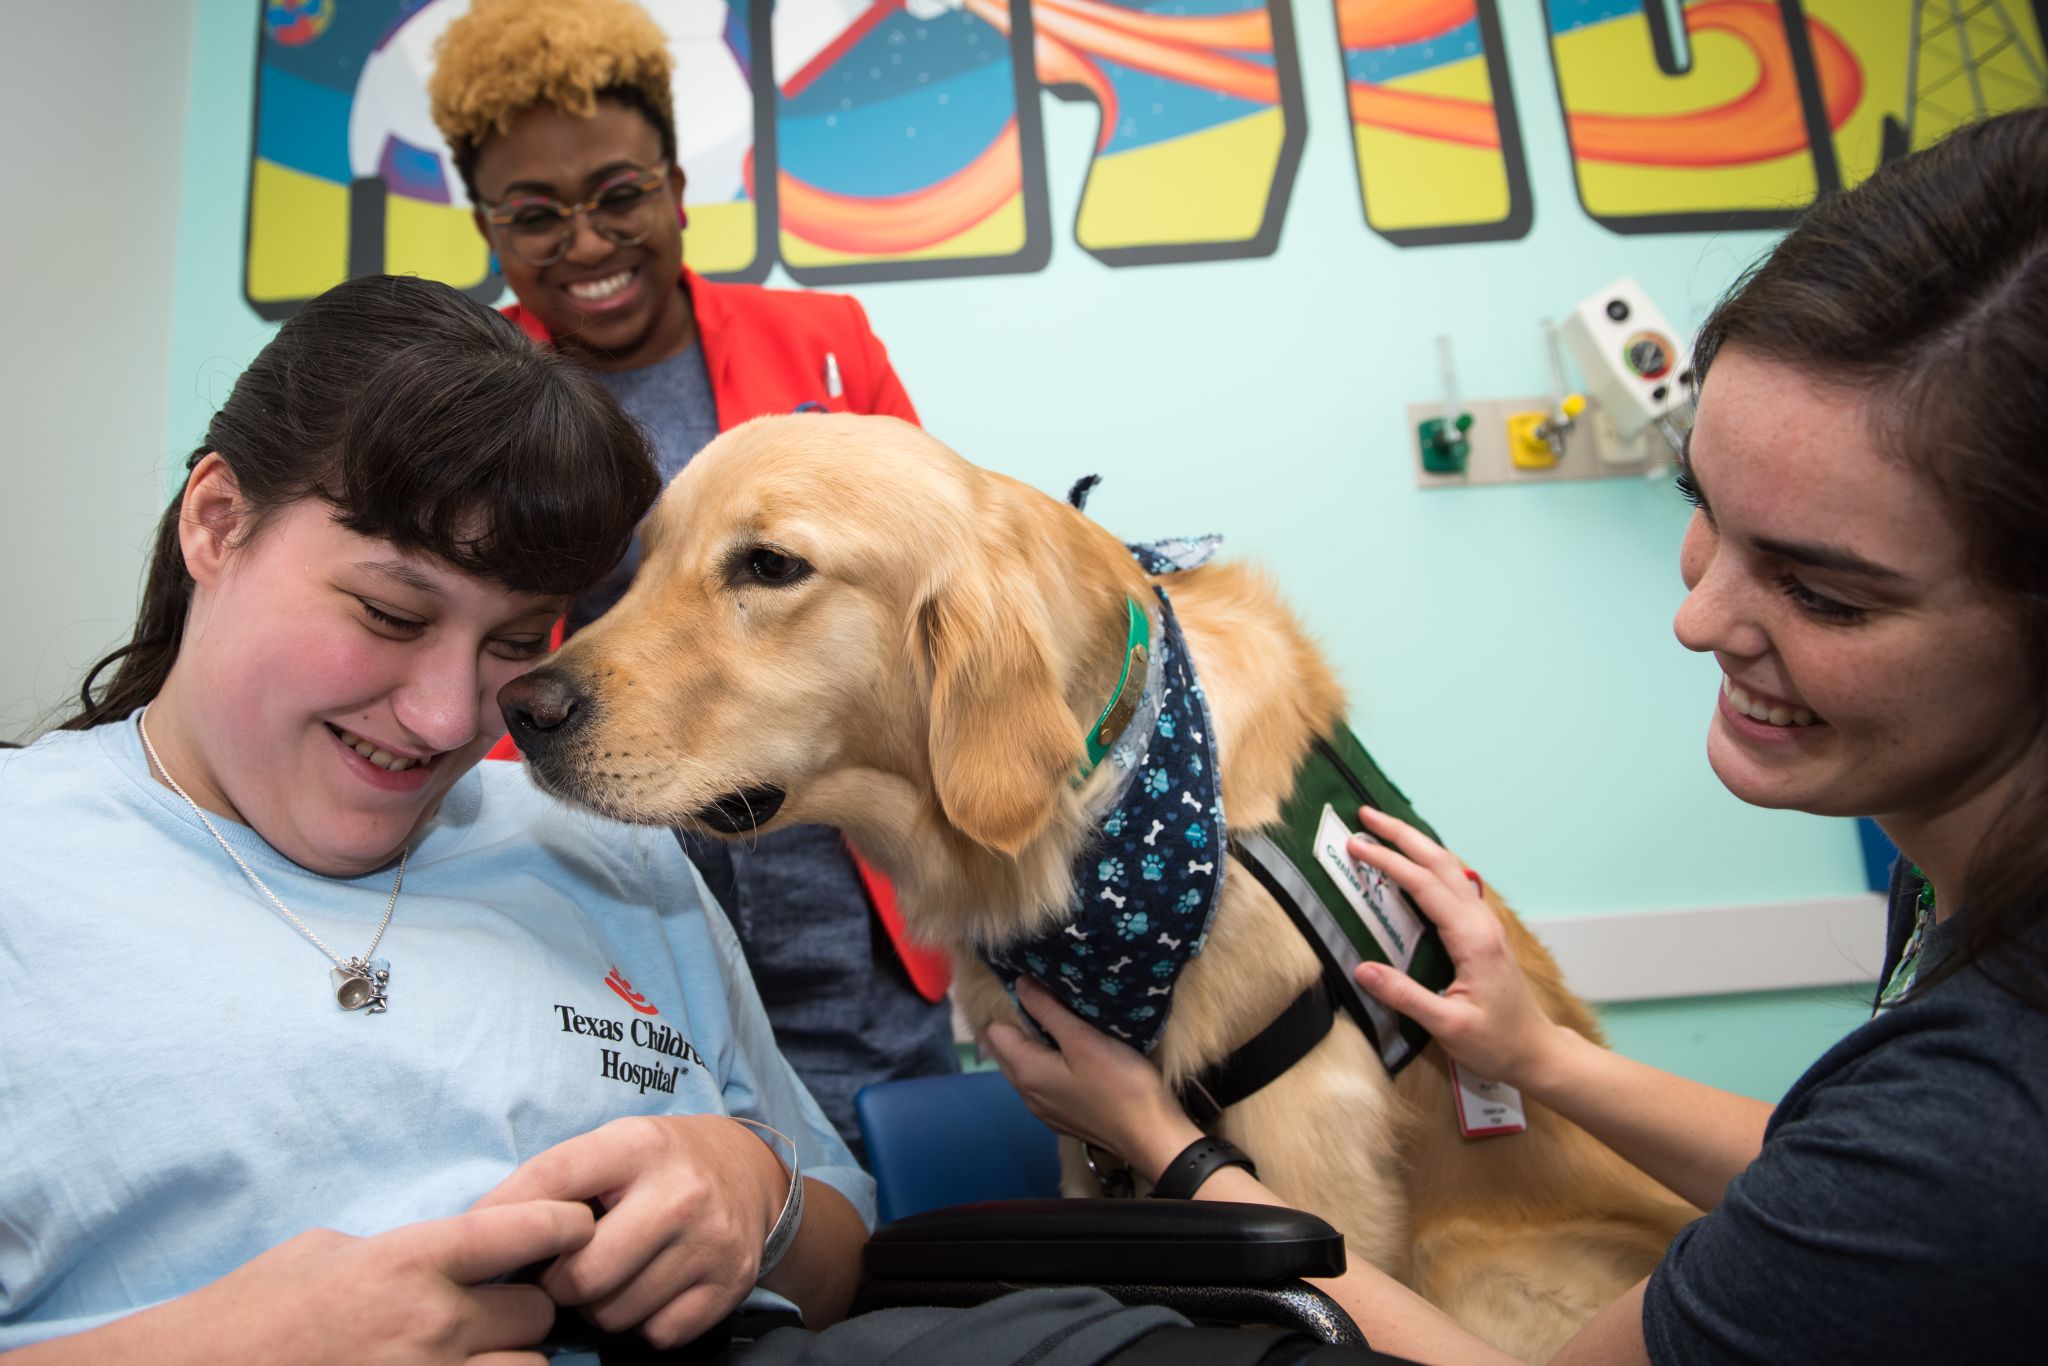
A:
(1486, 1108)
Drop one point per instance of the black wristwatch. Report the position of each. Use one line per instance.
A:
(1198, 1162)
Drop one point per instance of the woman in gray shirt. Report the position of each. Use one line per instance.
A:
(1868, 565)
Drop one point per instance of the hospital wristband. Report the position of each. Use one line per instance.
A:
(782, 1236)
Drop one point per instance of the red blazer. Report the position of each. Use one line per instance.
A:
(769, 351)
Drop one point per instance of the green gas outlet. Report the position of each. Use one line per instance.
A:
(1445, 448)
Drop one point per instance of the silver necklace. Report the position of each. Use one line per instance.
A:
(360, 983)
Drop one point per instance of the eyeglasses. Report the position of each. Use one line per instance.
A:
(623, 210)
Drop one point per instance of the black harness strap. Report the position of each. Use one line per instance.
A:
(1262, 1058)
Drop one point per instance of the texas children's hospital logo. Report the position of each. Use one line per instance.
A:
(625, 992)
(643, 1032)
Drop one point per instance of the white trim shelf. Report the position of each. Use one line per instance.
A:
(1718, 950)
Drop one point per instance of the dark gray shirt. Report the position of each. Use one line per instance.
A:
(673, 403)
(1899, 1208)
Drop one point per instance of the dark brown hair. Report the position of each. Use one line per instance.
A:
(1926, 288)
(426, 420)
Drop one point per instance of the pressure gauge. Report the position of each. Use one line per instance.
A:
(1625, 350)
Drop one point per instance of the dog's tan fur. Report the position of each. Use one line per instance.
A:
(925, 689)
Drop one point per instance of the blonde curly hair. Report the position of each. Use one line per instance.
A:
(505, 56)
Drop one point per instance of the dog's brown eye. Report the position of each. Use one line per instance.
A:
(772, 566)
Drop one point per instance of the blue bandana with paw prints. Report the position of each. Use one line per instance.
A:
(1147, 882)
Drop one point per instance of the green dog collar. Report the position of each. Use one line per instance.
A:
(1124, 701)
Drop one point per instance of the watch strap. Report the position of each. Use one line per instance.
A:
(1198, 1162)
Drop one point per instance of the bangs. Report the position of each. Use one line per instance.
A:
(513, 466)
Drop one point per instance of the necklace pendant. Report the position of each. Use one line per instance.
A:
(362, 985)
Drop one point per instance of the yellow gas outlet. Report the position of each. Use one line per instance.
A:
(1527, 446)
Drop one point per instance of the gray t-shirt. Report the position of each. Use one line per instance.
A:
(673, 403)
(1899, 1208)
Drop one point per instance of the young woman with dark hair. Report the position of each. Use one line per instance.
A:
(281, 956)
(391, 430)
(1868, 563)
(561, 122)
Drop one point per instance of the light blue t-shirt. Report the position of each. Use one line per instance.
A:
(179, 1091)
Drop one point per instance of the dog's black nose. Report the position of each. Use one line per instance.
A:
(540, 708)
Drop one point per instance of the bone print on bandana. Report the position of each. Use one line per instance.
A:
(1147, 882)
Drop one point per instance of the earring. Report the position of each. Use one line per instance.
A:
(492, 264)
(682, 217)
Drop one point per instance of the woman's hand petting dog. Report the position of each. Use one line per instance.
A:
(1488, 1018)
(1092, 1087)
(688, 1200)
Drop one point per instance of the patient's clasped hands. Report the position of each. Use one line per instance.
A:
(688, 1201)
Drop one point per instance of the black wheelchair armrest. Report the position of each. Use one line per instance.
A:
(1215, 1262)
(1162, 1242)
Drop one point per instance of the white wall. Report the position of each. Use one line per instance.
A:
(93, 100)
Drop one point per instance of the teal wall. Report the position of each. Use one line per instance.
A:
(1756, 1044)
(1508, 650)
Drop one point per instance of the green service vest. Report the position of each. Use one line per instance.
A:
(1346, 912)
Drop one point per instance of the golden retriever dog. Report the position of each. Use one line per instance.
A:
(839, 620)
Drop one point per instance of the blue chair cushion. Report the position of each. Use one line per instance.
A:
(938, 1141)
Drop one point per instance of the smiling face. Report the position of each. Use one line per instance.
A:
(309, 645)
(614, 307)
(1866, 671)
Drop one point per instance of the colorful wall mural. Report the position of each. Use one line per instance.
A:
(1433, 120)
(856, 140)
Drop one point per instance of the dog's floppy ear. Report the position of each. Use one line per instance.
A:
(1002, 741)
